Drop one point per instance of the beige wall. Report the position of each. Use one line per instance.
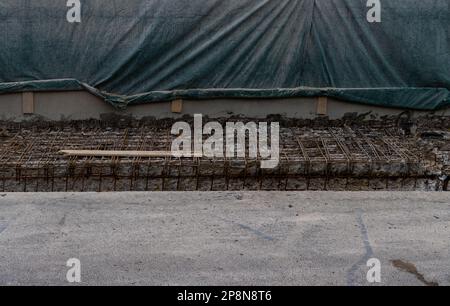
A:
(79, 105)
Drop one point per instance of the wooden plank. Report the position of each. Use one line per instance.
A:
(322, 106)
(177, 106)
(28, 103)
(103, 153)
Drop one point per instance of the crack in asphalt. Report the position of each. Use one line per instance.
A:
(3, 227)
(351, 275)
(248, 228)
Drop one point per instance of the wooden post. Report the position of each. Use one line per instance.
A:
(177, 106)
(322, 106)
(28, 103)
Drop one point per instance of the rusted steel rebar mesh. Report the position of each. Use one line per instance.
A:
(314, 156)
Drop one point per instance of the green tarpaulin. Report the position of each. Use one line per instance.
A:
(140, 51)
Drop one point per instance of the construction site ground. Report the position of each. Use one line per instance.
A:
(349, 154)
(225, 238)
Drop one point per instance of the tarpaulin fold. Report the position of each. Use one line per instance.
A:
(142, 51)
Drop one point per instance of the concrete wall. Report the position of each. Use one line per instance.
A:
(78, 105)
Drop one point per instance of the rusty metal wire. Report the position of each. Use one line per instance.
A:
(332, 158)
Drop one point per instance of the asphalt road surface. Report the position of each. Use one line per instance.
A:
(225, 238)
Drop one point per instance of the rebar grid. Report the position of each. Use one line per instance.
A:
(331, 158)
